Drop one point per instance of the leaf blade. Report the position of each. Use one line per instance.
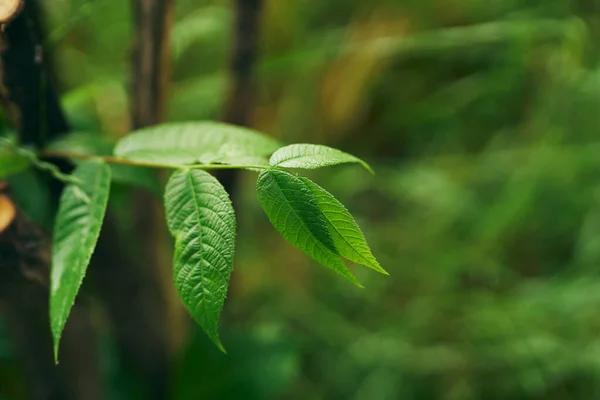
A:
(345, 232)
(76, 231)
(312, 156)
(178, 144)
(293, 211)
(202, 221)
(87, 143)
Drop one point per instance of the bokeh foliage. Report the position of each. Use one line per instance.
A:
(481, 119)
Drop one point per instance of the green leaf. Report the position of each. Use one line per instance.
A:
(12, 161)
(293, 210)
(31, 193)
(312, 156)
(231, 154)
(201, 219)
(345, 232)
(177, 144)
(78, 222)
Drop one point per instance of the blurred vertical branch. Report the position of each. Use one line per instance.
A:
(32, 107)
(151, 61)
(137, 284)
(241, 97)
(243, 60)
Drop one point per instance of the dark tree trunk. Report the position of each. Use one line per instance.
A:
(243, 59)
(244, 54)
(151, 61)
(33, 109)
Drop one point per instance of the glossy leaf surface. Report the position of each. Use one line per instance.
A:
(78, 222)
(312, 156)
(201, 219)
(293, 210)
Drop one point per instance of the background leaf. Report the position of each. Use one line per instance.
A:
(201, 218)
(12, 162)
(78, 222)
(312, 156)
(345, 232)
(29, 191)
(193, 142)
(294, 212)
(87, 143)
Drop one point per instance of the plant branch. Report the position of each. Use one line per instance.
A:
(124, 161)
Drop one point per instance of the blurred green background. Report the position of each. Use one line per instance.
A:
(481, 120)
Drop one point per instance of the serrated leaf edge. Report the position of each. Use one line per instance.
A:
(57, 336)
(353, 157)
(349, 275)
(374, 265)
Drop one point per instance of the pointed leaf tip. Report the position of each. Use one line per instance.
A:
(368, 167)
(294, 212)
(202, 221)
(76, 231)
(220, 347)
(347, 236)
(313, 156)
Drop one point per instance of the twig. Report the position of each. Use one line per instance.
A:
(124, 161)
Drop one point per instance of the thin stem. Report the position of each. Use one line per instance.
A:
(222, 166)
(123, 161)
(33, 159)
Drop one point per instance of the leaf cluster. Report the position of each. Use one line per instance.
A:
(199, 213)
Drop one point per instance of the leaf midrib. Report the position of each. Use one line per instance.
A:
(374, 264)
(297, 216)
(95, 195)
(356, 227)
(90, 207)
(84, 236)
(190, 180)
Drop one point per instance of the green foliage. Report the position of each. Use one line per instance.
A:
(294, 212)
(493, 249)
(30, 193)
(347, 237)
(201, 218)
(199, 212)
(312, 156)
(12, 161)
(78, 223)
(178, 144)
(84, 143)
